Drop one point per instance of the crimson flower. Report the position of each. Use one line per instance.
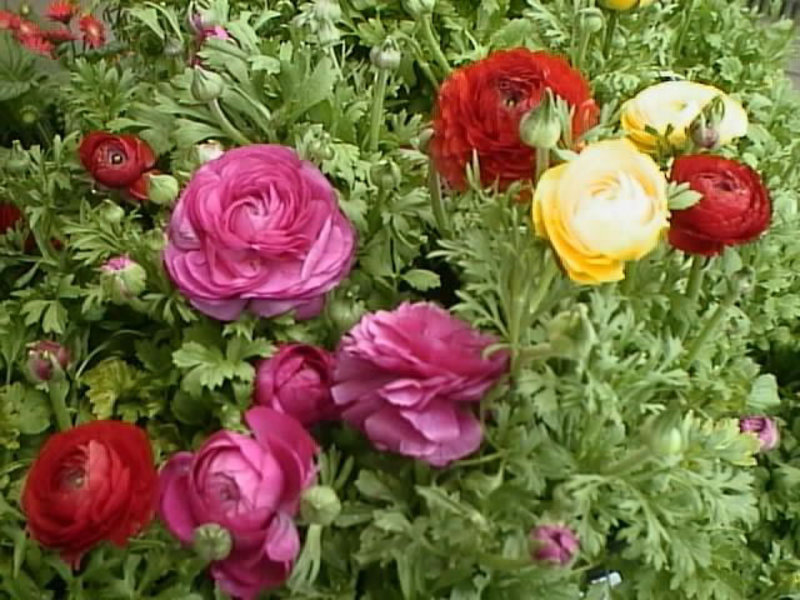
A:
(8, 20)
(734, 209)
(480, 106)
(61, 11)
(118, 161)
(93, 30)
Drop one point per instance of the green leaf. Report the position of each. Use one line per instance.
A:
(17, 70)
(764, 394)
(422, 279)
(108, 381)
(34, 415)
(681, 196)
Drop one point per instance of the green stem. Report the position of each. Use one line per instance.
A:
(549, 273)
(630, 462)
(542, 162)
(433, 45)
(584, 45)
(696, 275)
(687, 17)
(711, 326)
(437, 202)
(58, 392)
(611, 27)
(226, 126)
(377, 118)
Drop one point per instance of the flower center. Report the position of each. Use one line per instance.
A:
(73, 475)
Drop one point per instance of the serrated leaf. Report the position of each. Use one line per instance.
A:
(422, 279)
(108, 381)
(681, 196)
(34, 415)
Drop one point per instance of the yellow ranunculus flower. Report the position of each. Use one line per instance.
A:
(678, 103)
(605, 207)
(624, 4)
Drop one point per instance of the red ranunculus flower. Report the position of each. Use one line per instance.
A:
(10, 215)
(61, 10)
(117, 161)
(90, 484)
(93, 30)
(735, 207)
(480, 106)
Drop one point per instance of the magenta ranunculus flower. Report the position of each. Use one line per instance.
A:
(297, 381)
(554, 543)
(765, 428)
(258, 229)
(251, 487)
(407, 379)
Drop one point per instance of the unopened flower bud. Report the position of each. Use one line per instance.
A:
(29, 114)
(592, 20)
(18, 160)
(25, 10)
(386, 55)
(663, 435)
(320, 149)
(385, 175)
(554, 543)
(344, 312)
(320, 505)
(208, 151)
(425, 139)
(162, 189)
(765, 428)
(540, 127)
(112, 213)
(46, 359)
(206, 86)
(212, 542)
(419, 8)
(123, 279)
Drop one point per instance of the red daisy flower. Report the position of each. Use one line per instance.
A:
(94, 32)
(59, 36)
(37, 44)
(26, 29)
(61, 11)
(8, 20)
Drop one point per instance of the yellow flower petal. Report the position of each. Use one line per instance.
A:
(606, 207)
(677, 103)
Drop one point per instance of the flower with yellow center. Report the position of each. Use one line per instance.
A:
(625, 4)
(678, 103)
(607, 206)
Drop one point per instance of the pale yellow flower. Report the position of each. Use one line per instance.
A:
(605, 207)
(678, 103)
(625, 4)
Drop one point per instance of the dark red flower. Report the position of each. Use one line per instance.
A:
(90, 484)
(61, 11)
(10, 215)
(93, 30)
(25, 29)
(735, 207)
(480, 106)
(45, 357)
(8, 20)
(116, 161)
(37, 44)
(59, 36)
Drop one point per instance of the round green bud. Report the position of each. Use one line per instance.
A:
(320, 505)
(385, 175)
(112, 213)
(386, 55)
(18, 160)
(592, 20)
(419, 8)
(212, 542)
(163, 189)
(29, 114)
(206, 86)
(540, 127)
(327, 10)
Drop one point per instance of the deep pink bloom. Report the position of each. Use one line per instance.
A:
(554, 543)
(44, 356)
(258, 229)
(249, 485)
(93, 30)
(406, 379)
(765, 428)
(297, 381)
(118, 263)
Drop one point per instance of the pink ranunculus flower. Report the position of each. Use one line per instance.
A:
(764, 428)
(554, 543)
(250, 486)
(258, 229)
(297, 381)
(407, 378)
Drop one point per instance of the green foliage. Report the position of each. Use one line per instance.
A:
(569, 434)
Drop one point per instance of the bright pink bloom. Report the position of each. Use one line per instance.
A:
(258, 229)
(297, 381)
(406, 379)
(249, 485)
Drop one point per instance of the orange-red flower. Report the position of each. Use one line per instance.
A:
(480, 106)
(61, 11)
(93, 30)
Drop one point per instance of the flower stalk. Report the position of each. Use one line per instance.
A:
(376, 118)
(225, 124)
(433, 45)
(58, 390)
(611, 27)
